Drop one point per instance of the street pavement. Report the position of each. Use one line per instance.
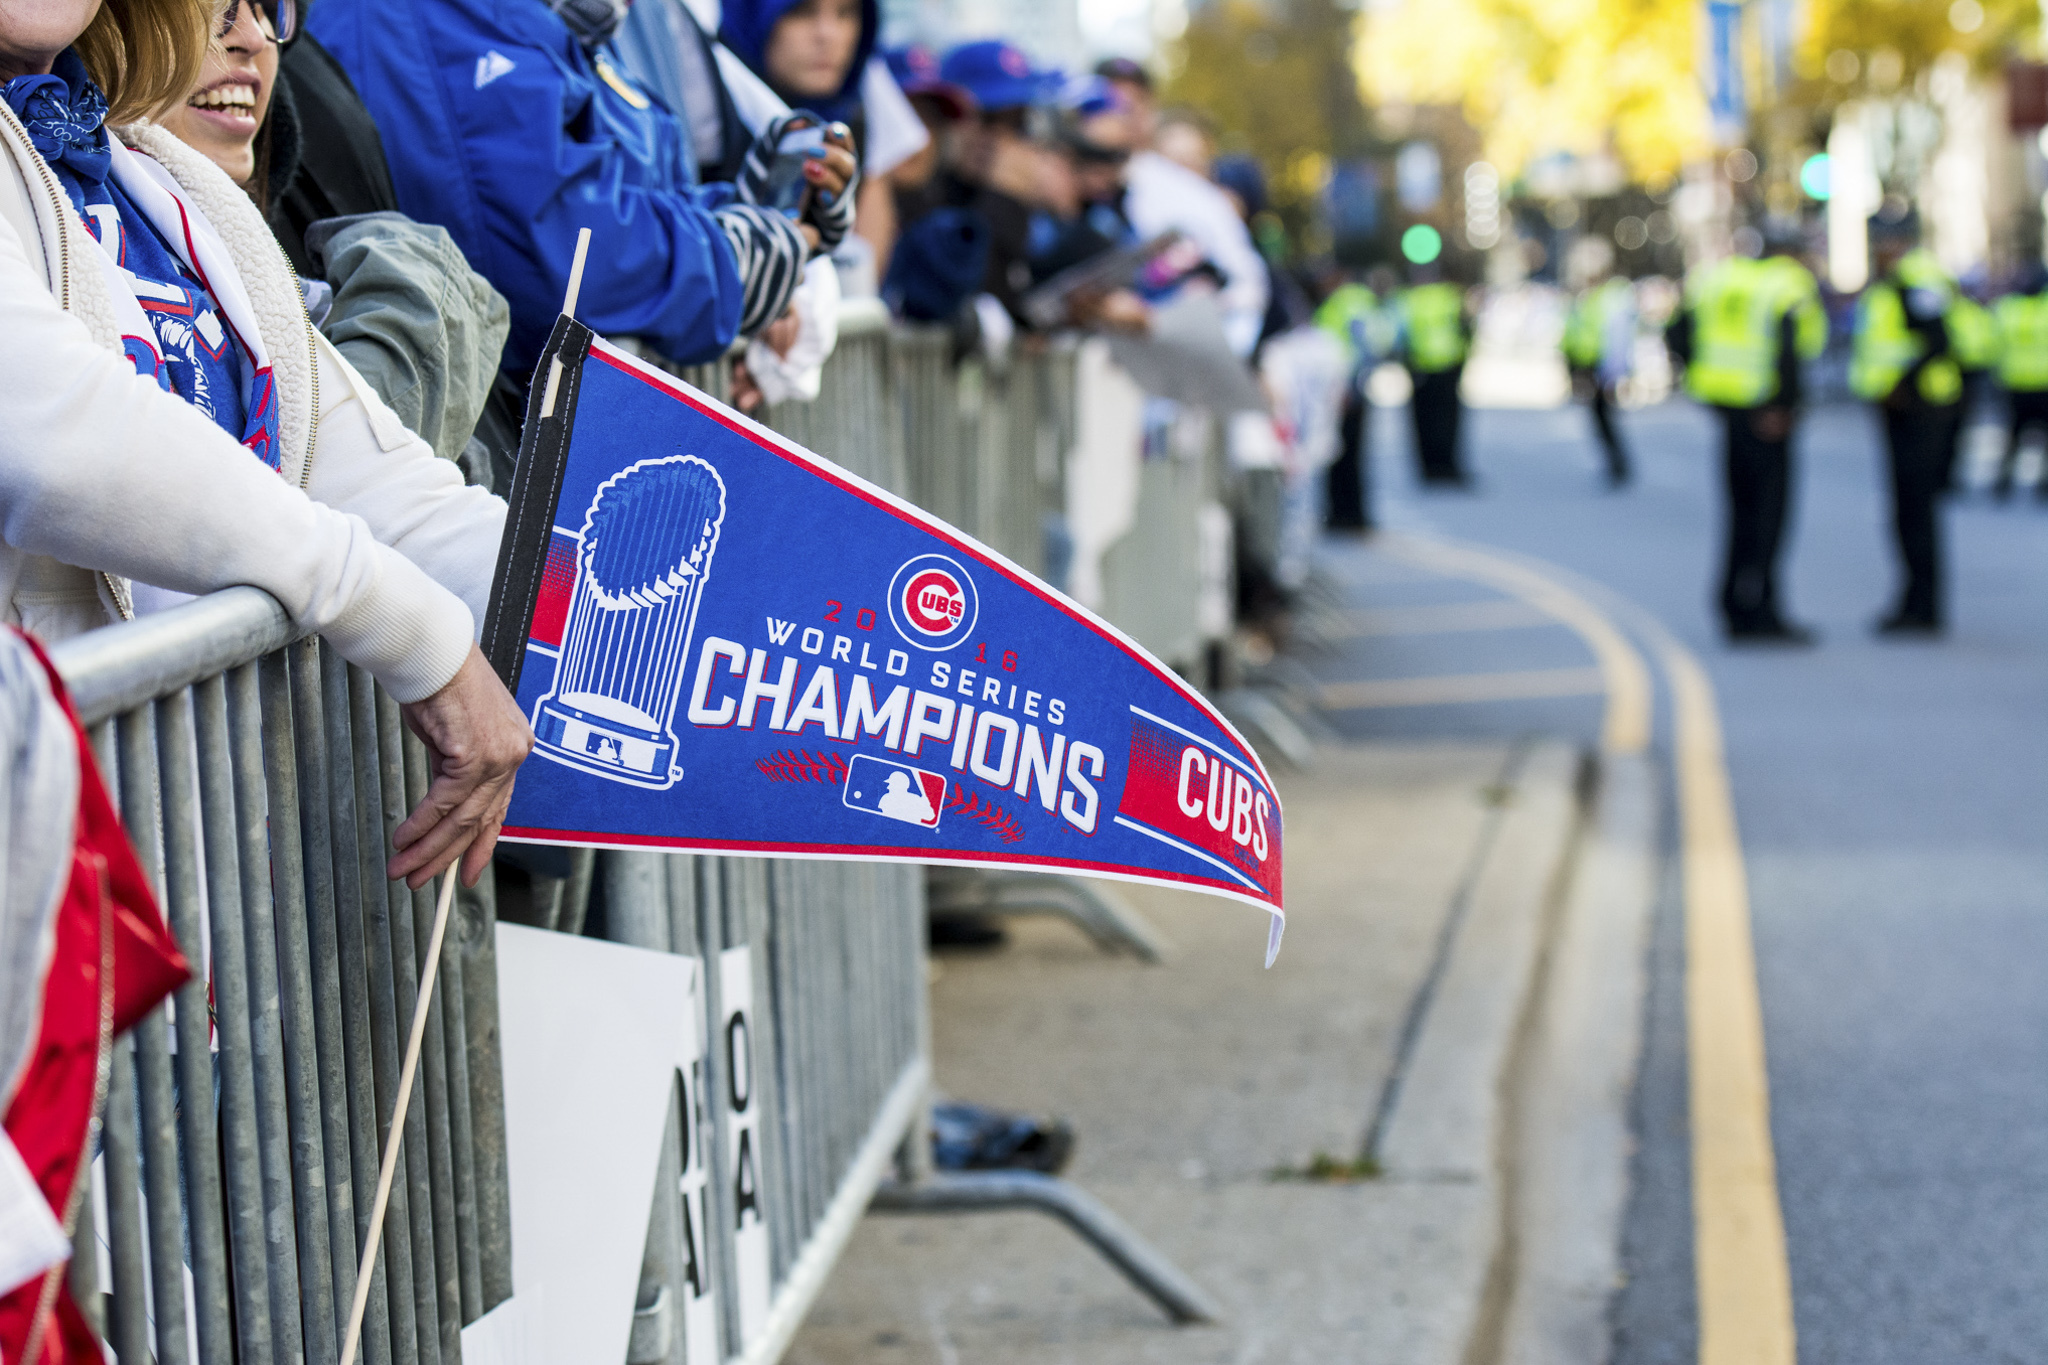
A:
(1206, 1091)
(1892, 800)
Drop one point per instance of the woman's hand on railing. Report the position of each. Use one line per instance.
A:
(476, 739)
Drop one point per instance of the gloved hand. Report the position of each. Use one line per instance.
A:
(834, 178)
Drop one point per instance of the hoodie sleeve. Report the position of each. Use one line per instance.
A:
(503, 130)
(102, 469)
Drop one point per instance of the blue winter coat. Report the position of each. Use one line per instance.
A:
(502, 129)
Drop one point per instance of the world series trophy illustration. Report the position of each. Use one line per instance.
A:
(645, 552)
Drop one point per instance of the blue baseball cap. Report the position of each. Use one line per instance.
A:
(997, 74)
(1087, 96)
(916, 69)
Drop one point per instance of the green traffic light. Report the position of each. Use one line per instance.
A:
(1813, 177)
(1422, 244)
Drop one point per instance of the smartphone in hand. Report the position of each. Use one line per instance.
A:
(787, 189)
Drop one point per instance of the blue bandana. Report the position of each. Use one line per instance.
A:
(64, 113)
(194, 353)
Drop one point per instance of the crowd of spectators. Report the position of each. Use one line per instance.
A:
(182, 176)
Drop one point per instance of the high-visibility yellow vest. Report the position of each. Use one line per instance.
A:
(1886, 347)
(1434, 316)
(1737, 308)
(1585, 326)
(1810, 319)
(1972, 334)
(1351, 314)
(2023, 342)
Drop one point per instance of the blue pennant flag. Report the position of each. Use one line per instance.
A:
(728, 645)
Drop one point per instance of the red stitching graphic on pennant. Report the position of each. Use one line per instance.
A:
(975, 807)
(799, 765)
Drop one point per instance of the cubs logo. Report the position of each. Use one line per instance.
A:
(932, 602)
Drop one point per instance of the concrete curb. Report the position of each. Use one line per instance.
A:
(1450, 1123)
(1569, 1140)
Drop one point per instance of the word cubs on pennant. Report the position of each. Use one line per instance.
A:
(727, 644)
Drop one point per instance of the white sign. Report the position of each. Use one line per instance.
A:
(593, 1035)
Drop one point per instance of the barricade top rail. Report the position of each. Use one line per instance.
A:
(116, 669)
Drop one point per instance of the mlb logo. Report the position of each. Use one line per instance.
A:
(895, 790)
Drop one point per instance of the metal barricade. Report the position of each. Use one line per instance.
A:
(260, 777)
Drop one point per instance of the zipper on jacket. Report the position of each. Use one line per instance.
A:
(56, 194)
(312, 375)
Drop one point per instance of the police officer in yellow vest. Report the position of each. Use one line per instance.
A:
(1436, 336)
(1742, 332)
(1902, 362)
(2022, 318)
(1973, 337)
(1353, 316)
(1599, 346)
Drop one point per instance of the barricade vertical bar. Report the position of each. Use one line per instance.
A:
(789, 1195)
(295, 996)
(334, 769)
(753, 926)
(636, 905)
(385, 1053)
(130, 1309)
(452, 991)
(241, 1153)
(713, 875)
(82, 1277)
(434, 1080)
(405, 981)
(198, 1129)
(486, 1157)
(155, 1091)
(286, 1232)
(316, 848)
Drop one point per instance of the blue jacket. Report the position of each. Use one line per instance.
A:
(502, 129)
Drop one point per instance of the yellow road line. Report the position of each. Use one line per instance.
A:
(1739, 1261)
(1742, 1274)
(1626, 728)
(1457, 688)
(1451, 617)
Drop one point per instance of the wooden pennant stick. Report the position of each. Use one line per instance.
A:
(547, 400)
(397, 1134)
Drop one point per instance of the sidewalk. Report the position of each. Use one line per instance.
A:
(1191, 1084)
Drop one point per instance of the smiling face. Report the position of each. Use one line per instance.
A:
(811, 49)
(223, 115)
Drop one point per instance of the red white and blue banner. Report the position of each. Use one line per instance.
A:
(728, 645)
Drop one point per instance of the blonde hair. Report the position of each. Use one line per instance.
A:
(146, 54)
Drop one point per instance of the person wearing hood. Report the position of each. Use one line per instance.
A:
(512, 124)
(822, 55)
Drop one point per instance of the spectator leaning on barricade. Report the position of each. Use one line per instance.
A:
(940, 255)
(1164, 195)
(394, 296)
(1000, 173)
(511, 124)
(1081, 216)
(172, 424)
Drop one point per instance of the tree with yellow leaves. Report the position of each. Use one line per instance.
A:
(1537, 76)
(1876, 47)
(1274, 77)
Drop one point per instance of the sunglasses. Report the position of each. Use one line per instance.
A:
(282, 15)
